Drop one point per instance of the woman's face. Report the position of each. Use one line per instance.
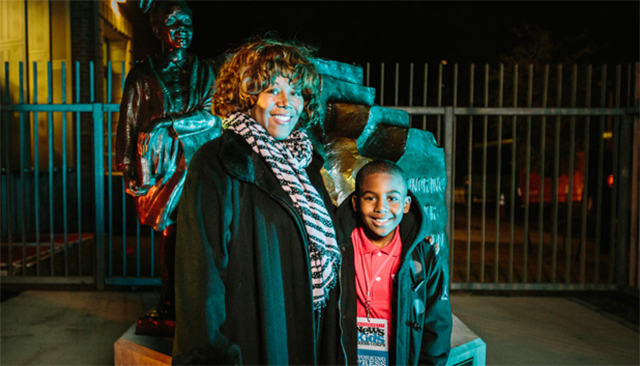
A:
(176, 28)
(278, 108)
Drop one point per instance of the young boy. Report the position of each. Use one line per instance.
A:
(395, 304)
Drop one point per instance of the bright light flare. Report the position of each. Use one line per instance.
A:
(114, 6)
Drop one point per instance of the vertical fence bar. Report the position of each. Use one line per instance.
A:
(367, 74)
(614, 199)
(98, 171)
(623, 254)
(634, 255)
(439, 118)
(36, 167)
(397, 85)
(603, 96)
(51, 168)
(485, 132)
(424, 94)
(452, 213)
(527, 190)
(499, 195)
(109, 162)
(79, 169)
(382, 84)
(541, 173)
(152, 252)
(449, 135)
(585, 189)
(23, 168)
(64, 171)
(572, 146)
(556, 171)
(124, 233)
(8, 188)
(4, 194)
(411, 84)
(138, 249)
(513, 173)
(470, 173)
(615, 240)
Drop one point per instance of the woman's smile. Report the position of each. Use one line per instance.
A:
(278, 108)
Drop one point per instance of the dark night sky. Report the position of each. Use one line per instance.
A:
(417, 31)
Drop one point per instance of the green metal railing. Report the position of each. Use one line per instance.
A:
(90, 233)
(580, 238)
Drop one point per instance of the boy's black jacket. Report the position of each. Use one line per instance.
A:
(423, 311)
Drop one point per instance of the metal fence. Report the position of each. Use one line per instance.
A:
(542, 176)
(543, 182)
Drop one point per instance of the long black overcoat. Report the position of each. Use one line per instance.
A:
(243, 282)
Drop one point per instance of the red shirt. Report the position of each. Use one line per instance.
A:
(368, 261)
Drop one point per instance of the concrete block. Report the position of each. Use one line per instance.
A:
(132, 349)
(340, 91)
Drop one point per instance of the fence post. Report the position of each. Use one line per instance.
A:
(448, 161)
(98, 164)
(623, 176)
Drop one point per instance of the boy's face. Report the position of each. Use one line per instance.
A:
(381, 204)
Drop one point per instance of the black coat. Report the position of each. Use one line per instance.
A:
(423, 312)
(243, 280)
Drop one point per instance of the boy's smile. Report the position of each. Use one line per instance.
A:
(381, 204)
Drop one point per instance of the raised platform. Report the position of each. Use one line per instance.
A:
(131, 349)
(466, 347)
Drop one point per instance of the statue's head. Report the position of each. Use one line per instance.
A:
(253, 68)
(171, 23)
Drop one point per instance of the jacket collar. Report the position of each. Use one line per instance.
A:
(236, 157)
(241, 162)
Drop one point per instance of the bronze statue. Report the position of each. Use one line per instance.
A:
(165, 115)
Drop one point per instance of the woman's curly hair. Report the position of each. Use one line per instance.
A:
(253, 67)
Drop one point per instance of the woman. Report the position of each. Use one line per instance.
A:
(256, 259)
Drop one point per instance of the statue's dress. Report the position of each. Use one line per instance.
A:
(155, 90)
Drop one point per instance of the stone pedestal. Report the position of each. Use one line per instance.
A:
(466, 347)
(131, 349)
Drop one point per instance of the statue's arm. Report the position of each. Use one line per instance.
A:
(199, 117)
(129, 123)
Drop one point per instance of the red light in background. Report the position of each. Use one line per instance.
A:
(610, 180)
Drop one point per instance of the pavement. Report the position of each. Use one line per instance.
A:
(80, 328)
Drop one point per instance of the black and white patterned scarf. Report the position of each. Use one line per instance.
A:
(288, 159)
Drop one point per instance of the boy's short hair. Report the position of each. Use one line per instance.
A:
(378, 167)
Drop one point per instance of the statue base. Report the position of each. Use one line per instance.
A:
(133, 349)
(154, 323)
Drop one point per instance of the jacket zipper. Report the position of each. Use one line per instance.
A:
(305, 238)
(344, 351)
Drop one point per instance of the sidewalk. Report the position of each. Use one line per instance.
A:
(79, 328)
